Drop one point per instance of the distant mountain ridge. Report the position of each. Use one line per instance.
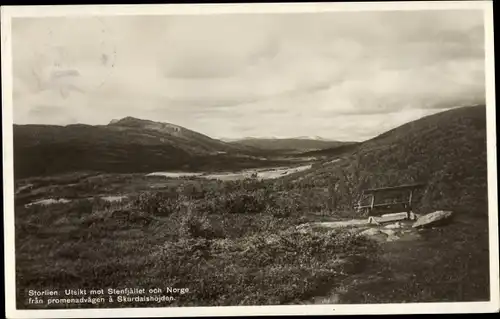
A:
(319, 138)
(296, 144)
(124, 145)
(188, 139)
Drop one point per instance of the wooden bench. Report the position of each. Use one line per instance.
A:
(387, 200)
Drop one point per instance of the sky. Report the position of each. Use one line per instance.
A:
(336, 75)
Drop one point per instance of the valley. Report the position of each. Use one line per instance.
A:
(141, 204)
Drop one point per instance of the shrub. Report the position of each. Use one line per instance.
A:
(191, 191)
(237, 202)
(158, 203)
(195, 225)
(265, 268)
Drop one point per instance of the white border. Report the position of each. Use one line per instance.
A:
(414, 308)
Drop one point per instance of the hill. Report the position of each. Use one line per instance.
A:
(447, 151)
(290, 145)
(126, 145)
(335, 151)
(188, 140)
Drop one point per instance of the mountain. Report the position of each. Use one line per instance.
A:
(446, 151)
(298, 144)
(181, 137)
(125, 145)
(315, 138)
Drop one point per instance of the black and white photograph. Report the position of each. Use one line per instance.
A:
(268, 158)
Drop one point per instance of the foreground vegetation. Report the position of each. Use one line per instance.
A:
(235, 243)
(448, 264)
(232, 244)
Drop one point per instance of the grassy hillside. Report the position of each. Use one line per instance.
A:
(228, 243)
(447, 151)
(335, 151)
(128, 145)
(175, 135)
(288, 144)
(236, 242)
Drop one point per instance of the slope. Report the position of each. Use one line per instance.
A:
(447, 151)
(339, 150)
(127, 145)
(181, 137)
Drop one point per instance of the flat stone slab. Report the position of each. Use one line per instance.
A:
(387, 219)
(401, 230)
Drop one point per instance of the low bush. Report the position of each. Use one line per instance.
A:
(262, 269)
(158, 203)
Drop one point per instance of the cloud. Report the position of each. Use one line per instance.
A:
(323, 74)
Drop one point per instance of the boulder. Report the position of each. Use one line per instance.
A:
(436, 218)
(393, 226)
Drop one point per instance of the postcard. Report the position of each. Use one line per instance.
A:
(249, 159)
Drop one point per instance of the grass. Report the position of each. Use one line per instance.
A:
(446, 151)
(235, 243)
(232, 245)
(449, 264)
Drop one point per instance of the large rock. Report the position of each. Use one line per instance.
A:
(436, 218)
(394, 226)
